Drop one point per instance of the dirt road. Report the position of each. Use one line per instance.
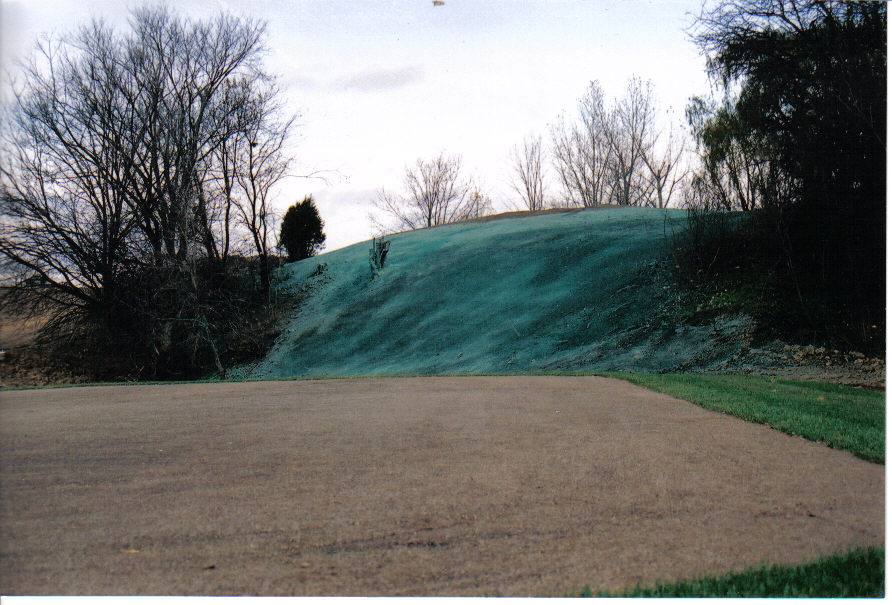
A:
(415, 486)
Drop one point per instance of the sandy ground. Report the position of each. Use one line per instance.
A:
(410, 486)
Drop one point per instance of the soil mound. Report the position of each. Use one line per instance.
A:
(567, 291)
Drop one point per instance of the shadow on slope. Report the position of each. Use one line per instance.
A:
(581, 290)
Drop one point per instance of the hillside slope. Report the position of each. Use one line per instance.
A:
(581, 290)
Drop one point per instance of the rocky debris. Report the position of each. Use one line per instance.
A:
(809, 362)
(809, 355)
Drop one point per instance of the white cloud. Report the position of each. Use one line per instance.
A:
(374, 80)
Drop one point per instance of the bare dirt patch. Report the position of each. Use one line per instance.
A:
(414, 486)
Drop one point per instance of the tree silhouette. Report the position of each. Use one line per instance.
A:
(805, 109)
(301, 234)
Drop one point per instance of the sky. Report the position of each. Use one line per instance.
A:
(380, 84)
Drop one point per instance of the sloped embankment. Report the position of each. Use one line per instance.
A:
(582, 290)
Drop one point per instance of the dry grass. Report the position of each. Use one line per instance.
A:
(17, 332)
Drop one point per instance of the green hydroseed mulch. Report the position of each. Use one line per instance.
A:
(582, 290)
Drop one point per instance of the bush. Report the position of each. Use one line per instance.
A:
(750, 262)
(165, 324)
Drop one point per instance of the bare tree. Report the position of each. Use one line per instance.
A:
(436, 194)
(479, 204)
(734, 170)
(177, 91)
(68, 223)
(629, 133)
(582, 150)
(528, 169)
(250, 162)
(263, 167)
(664, 167)
(614, 155)
(114, 148)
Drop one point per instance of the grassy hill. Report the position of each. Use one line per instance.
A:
(581, 290)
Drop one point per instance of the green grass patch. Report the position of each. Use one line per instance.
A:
(846, 418)
(859, 573)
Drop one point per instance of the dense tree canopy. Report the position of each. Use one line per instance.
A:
(812, 82)
(802, 133)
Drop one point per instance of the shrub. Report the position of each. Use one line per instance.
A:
(301, 234)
